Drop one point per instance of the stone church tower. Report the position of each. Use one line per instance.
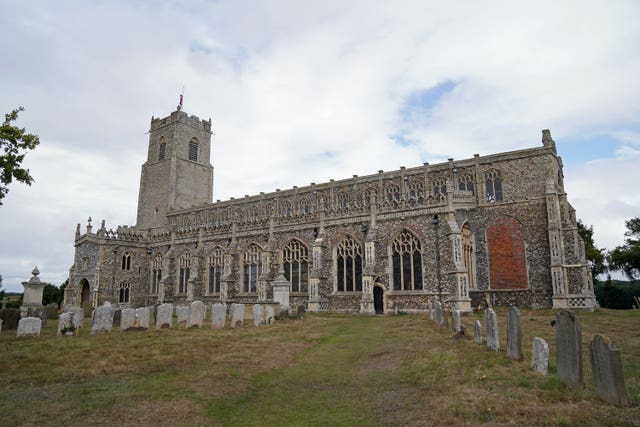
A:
(177, 173)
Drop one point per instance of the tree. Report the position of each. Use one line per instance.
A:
(594, 256)
(50, 294)
(15, 143)
(627, 256)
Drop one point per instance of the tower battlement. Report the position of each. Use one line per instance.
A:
(180, 117)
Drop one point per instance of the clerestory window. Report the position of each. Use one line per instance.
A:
(493, 186)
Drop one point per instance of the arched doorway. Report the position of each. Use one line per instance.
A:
(85, 297)
(378, 299)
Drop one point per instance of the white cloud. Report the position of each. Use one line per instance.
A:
(305, 91)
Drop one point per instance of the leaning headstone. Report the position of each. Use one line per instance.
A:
(196, 314)
(478, 332)
(514, 334)
(258, 314)
(237, 315)
(438, 313)
(218, 315)
(608, 378)
(102, 319)
(117, 317)
(127, 318)
(491, 326)
(29, 327)
(456, 321)
(182, 314)
(269, 315)
(540, 356)
(65, 324)
(569, 348)
(164, 316)
(10, 318)
(143, 316)
(430, 309)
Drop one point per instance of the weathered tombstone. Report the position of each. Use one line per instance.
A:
(77, 317)
(569, 348)
(438, 314)
(164, 316)
(127, 318)
(606, 366)
(456, 321)
(29, 327)
(143, 315)
(258, 314)
(196, 314)
(182, 314)
(302, 309)
(540, 356)
(514, 334)
(218, 315)
(491, 326)
(10, 318)
(430, 309)
(102, 319)
(269, 315)
(117, 317)
(478, 332)
(237, 315)
(65, 324)
(51, 311)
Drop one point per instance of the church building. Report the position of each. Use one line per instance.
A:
(494, 229)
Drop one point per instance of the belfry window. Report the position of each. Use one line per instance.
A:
(215, 264)
(406, 257)
(295, 260)
(126, 261)
(349, 268)
(252, 268)
(124, 294)
(162, 150)
(183, 273)
(193, 150)
(493, 185)
(156, 273)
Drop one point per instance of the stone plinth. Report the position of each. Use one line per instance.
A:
(33, 290)
(281, 291)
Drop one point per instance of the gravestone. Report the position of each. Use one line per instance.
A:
(77, 316)
(540, 356)
(457, 324)
(514, 334)
(10, 318)
(269, 315)
(438, 314)
(478, 332)
(606, 366)
(218, 315)
(29, 327)
(491, 326)
(302, 309)
(127, 318)
(117, 317)
(196, 314)
(143, 316)
(445, 319)
(102, 319)
(569, 348)
(182, 315)
(430, 309)
(65, 324)
(258, 314)
(237, 315)
(51, 311)
(164, 316)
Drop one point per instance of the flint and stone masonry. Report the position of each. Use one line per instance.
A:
(363, 244)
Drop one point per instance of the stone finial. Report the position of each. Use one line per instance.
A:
(35, 272)
(547, 141)
(78, 231)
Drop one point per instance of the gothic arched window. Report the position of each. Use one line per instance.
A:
(252, 268)
(183, 273)
(465, 183)
(215, 262)
(493, 185)
(124, 294)
(342, 201)
(295, 260)
(349, 268)
(392, 195)
(406, 258)
(440, 189)
(156, 273)
(467, 253)
(126, 261)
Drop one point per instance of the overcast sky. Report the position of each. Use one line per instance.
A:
(308, 91)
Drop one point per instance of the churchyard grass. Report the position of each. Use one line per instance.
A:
(327, 369)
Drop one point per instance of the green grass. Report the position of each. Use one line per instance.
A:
(328, 369)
